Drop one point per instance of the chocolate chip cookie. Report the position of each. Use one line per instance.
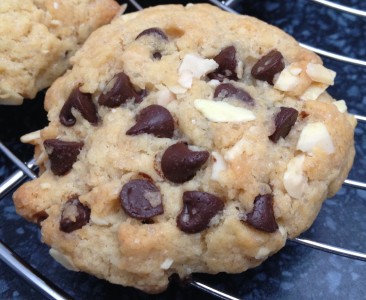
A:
(174, 149)
(38, 37)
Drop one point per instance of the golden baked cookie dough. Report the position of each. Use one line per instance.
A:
(184, 139)
(38, 37)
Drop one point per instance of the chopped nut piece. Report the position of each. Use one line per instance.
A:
(194, 66)
(63, 260)
(218, 166)
(218, 111)
(164, 97)
(319, 73)
(315, 135)
(263, 252)
(287, 81)
(313, 91)
(341, 105)
(236, 150)
(294, 180)
(31, 137)
(167, 263)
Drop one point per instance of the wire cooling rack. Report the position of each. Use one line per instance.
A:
(220, 286)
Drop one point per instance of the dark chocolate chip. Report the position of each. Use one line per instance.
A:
(40, 217)
(268, 66)
(227, 90)
(198, 210)
(83, 103)
(227, 62)
(284, 121)
(62, 154)
(141, 199)
(262, 216)
(148, 221)
(157, 55)
(153, 31)
(180, 164)
(155, 120)
(121, 91)
(74, 215)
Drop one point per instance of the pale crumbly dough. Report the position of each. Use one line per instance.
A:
(38, 37)
(121, 249)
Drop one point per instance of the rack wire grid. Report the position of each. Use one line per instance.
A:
(296, 271)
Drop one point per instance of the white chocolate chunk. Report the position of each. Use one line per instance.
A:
(315, 135)
(341, 105)
(288, 79)
(194, 66)
(63, 260)
(32, 136)
(218, 166)
(319, 73)
(313, 91)
(219, 111)
(167, 263)
(294, 180)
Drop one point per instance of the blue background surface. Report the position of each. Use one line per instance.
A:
(296, 271)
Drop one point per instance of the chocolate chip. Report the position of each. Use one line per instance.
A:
(227, 62)
(262, 216)
(227, 90)
(74, 215)
(155, 120)
(268, 66)
(121, 91)
(83, 103)
(284, 121)
(141, 199)
(153, 31)
(179, 164)
(198, 210)
(40, 217)
(62, 154)
(157, 55)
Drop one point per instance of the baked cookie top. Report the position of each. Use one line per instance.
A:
(177, 148)
(38, 37)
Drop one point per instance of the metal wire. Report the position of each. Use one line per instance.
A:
(51, 291)
(331, 249)
(328, 54)
(342, 8)
(14, 180)
(335, 56)
(30, 275)
(17, 161)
